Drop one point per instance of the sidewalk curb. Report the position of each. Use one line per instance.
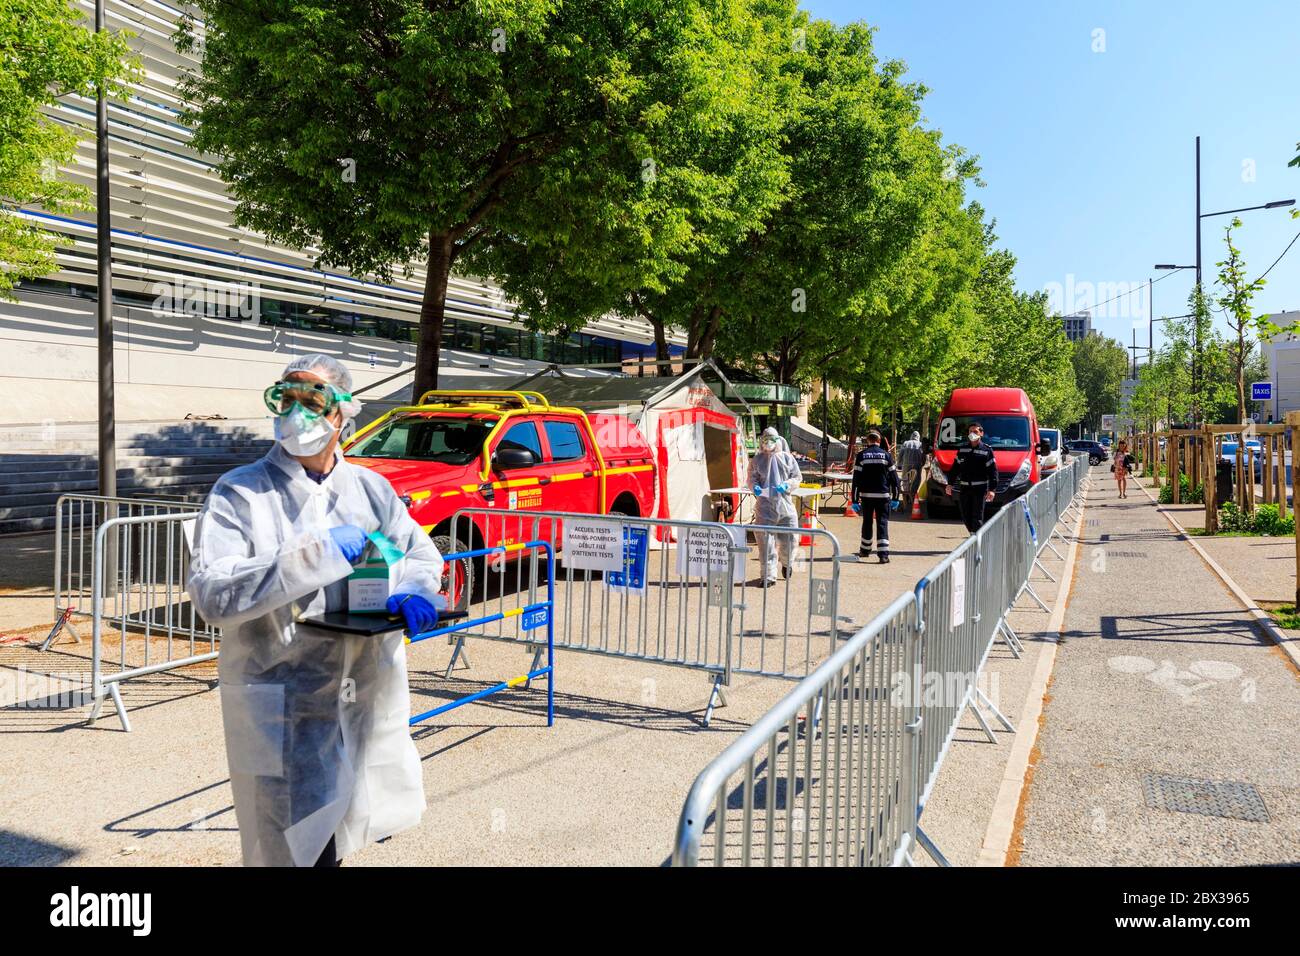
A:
(1289, 647)
(1002, 821)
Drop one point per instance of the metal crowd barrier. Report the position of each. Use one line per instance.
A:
(531, 617)
(135, 564)
(827, 777)
(685, 593)
(931, 645)
(149, 600)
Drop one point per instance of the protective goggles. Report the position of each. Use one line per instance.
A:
(319, 398)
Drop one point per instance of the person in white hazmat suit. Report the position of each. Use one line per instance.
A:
(773, 473)
(320, 753)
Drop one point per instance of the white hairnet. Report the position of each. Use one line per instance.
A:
(332, 371)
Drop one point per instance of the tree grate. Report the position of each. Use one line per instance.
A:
(1211, 798)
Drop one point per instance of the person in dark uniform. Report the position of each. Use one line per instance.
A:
(975, 476)
(875, 489)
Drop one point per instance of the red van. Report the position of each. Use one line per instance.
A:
(1010, 431)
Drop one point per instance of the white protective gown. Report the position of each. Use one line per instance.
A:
(315, 721)
(769, 469)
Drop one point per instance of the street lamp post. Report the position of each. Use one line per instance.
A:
(104, 288)
(1196, 331)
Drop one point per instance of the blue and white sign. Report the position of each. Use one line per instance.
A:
(535, 618)
(1261, 391)
(636, 550)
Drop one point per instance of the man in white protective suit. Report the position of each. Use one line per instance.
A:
(320, 753)
(773, 474)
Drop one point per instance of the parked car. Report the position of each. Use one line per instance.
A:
(1010, 431)
(1047, 464)
(508, 450)
(1095, 450)
(1286, 463)
(1228, 453)
(1228, 450)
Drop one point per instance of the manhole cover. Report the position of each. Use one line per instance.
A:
(1213, 798)
(1126, 554)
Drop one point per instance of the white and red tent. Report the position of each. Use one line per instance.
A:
(698, 442)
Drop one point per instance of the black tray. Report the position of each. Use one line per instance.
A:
(369, 624)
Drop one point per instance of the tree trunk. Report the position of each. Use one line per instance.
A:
(789, 364)
(853, 423)
(1241, 380)
(704, 346)
(433, 309)
(662, 352)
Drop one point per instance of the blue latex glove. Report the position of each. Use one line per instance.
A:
(420, 614)
(758, 491)
(782, 488)
(350, 539)
(894, 505)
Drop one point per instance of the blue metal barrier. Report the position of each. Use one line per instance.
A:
(534, 616)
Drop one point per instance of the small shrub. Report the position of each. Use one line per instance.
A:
(1232, 518)
(1268, 521)
(1186, 494)
(1263, 520)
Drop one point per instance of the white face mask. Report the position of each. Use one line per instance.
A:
(769, 446)
(302, 435)
(974, 437)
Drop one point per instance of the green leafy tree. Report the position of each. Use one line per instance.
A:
(819, 283)
(46, 51)
(706, 183)
(1238, 292)
(838, 420)
(1209, 377)
(1016, 343)
(401, 130)
(1100, 366)
(1163, 393)
(911, 358)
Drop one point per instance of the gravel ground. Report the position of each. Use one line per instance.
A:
(1171, 678)
(603, 786)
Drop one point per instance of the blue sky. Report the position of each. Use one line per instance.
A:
(1089, 156)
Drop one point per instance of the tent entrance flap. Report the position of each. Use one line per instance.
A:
(720, 457)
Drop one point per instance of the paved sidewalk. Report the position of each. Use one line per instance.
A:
(1160, 673)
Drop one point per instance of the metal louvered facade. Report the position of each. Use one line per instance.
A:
(173, 220)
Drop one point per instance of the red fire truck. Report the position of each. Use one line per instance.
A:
(509, 451)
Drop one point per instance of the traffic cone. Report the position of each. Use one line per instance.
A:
(916, 508)
(807, 521)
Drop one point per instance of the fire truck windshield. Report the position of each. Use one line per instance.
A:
(451, 441)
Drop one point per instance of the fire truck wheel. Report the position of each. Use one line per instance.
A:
(457, 576)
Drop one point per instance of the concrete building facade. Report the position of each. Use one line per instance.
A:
(1077, 326)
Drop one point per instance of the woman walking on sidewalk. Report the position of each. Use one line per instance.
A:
(1122, 465)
